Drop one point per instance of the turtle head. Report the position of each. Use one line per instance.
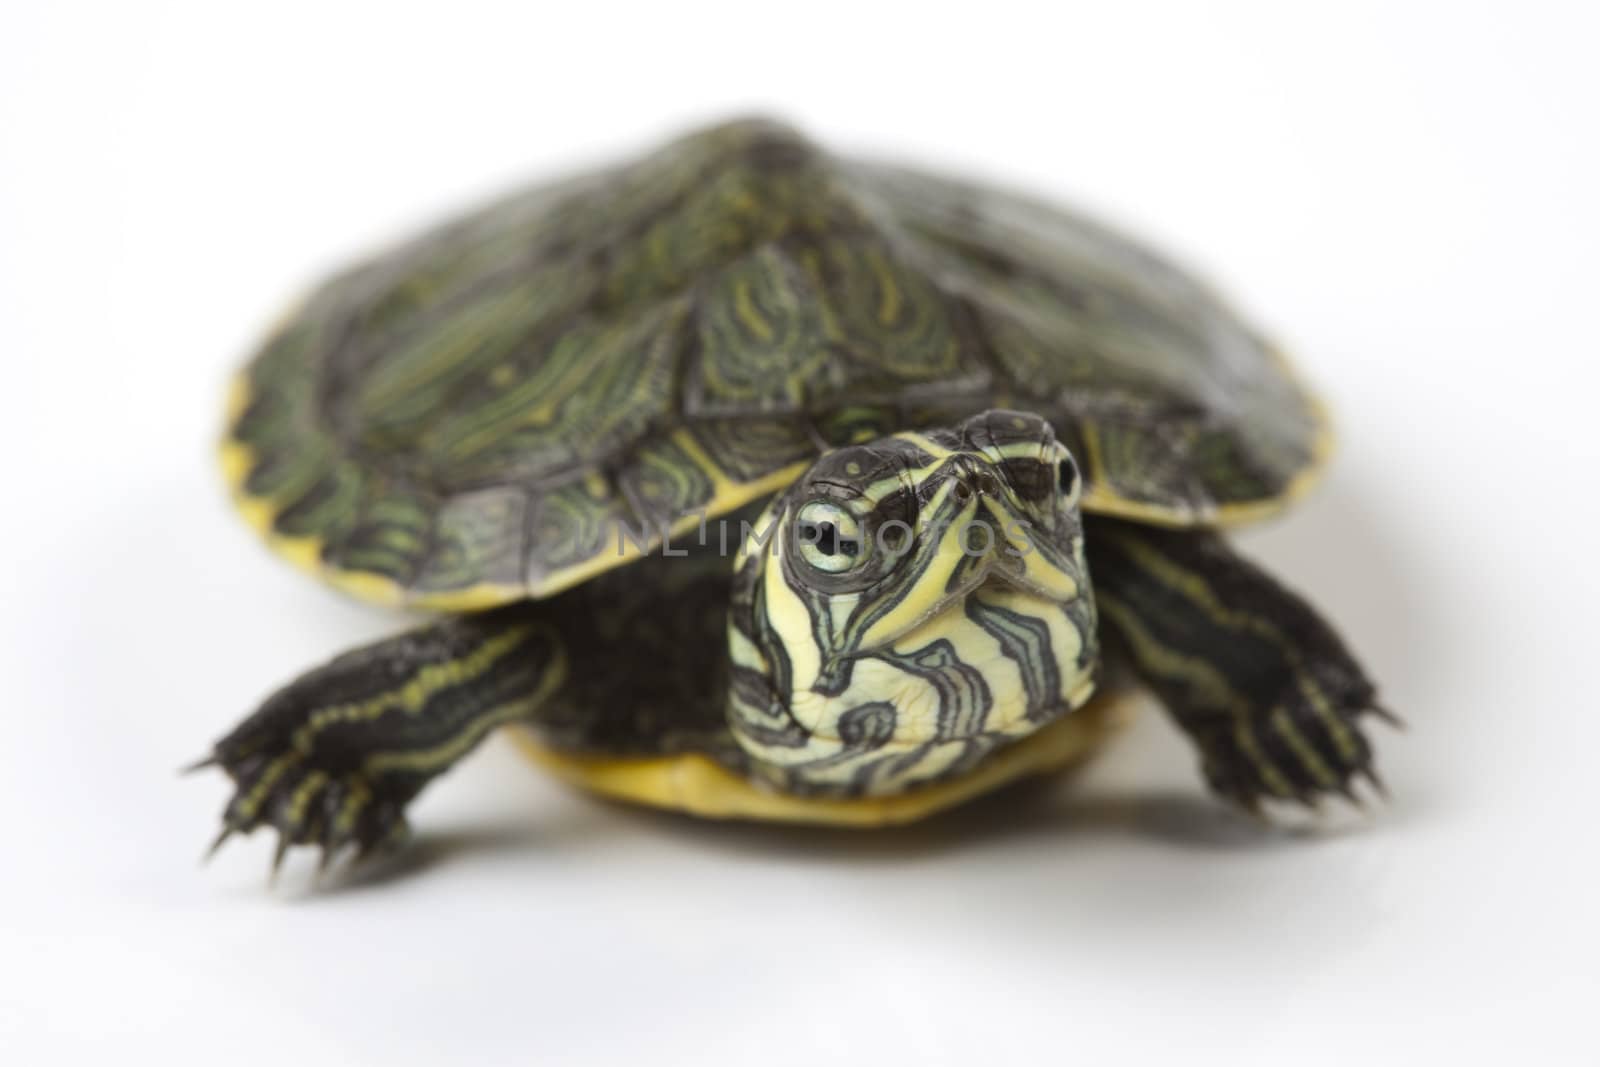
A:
(910, 604)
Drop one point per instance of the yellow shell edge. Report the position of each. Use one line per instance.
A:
(698, 785)
(1101, 502)
(305, 553)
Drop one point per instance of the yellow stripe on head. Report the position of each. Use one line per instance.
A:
(888, 663)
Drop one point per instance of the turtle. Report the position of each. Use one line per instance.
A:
(754, 480)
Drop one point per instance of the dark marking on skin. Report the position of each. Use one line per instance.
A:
(1025, 640)
(964, 696)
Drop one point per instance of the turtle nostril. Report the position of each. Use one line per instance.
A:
(988, 484)
(978, 539)
(961, 492)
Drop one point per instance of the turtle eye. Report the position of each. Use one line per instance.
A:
(829, 537)
(1066, 475)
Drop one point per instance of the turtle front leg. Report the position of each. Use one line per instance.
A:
(334, 757)
(1262, 685)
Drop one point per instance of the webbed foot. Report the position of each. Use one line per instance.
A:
(333, 758)
(1260, 682)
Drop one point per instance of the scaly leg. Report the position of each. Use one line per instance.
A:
(334, 757)
(1256, 678)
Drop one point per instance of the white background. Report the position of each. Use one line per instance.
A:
(1405, 193)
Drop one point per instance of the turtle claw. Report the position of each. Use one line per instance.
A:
(1352, 798)
(327, 849)
(306, 805)
(277, 858)
(216, 845)
(1303, 753)
(369, 829)
(1389, 717)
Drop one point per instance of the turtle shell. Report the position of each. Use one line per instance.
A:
(534, 393)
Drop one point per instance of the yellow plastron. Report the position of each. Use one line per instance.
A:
(698, 785)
